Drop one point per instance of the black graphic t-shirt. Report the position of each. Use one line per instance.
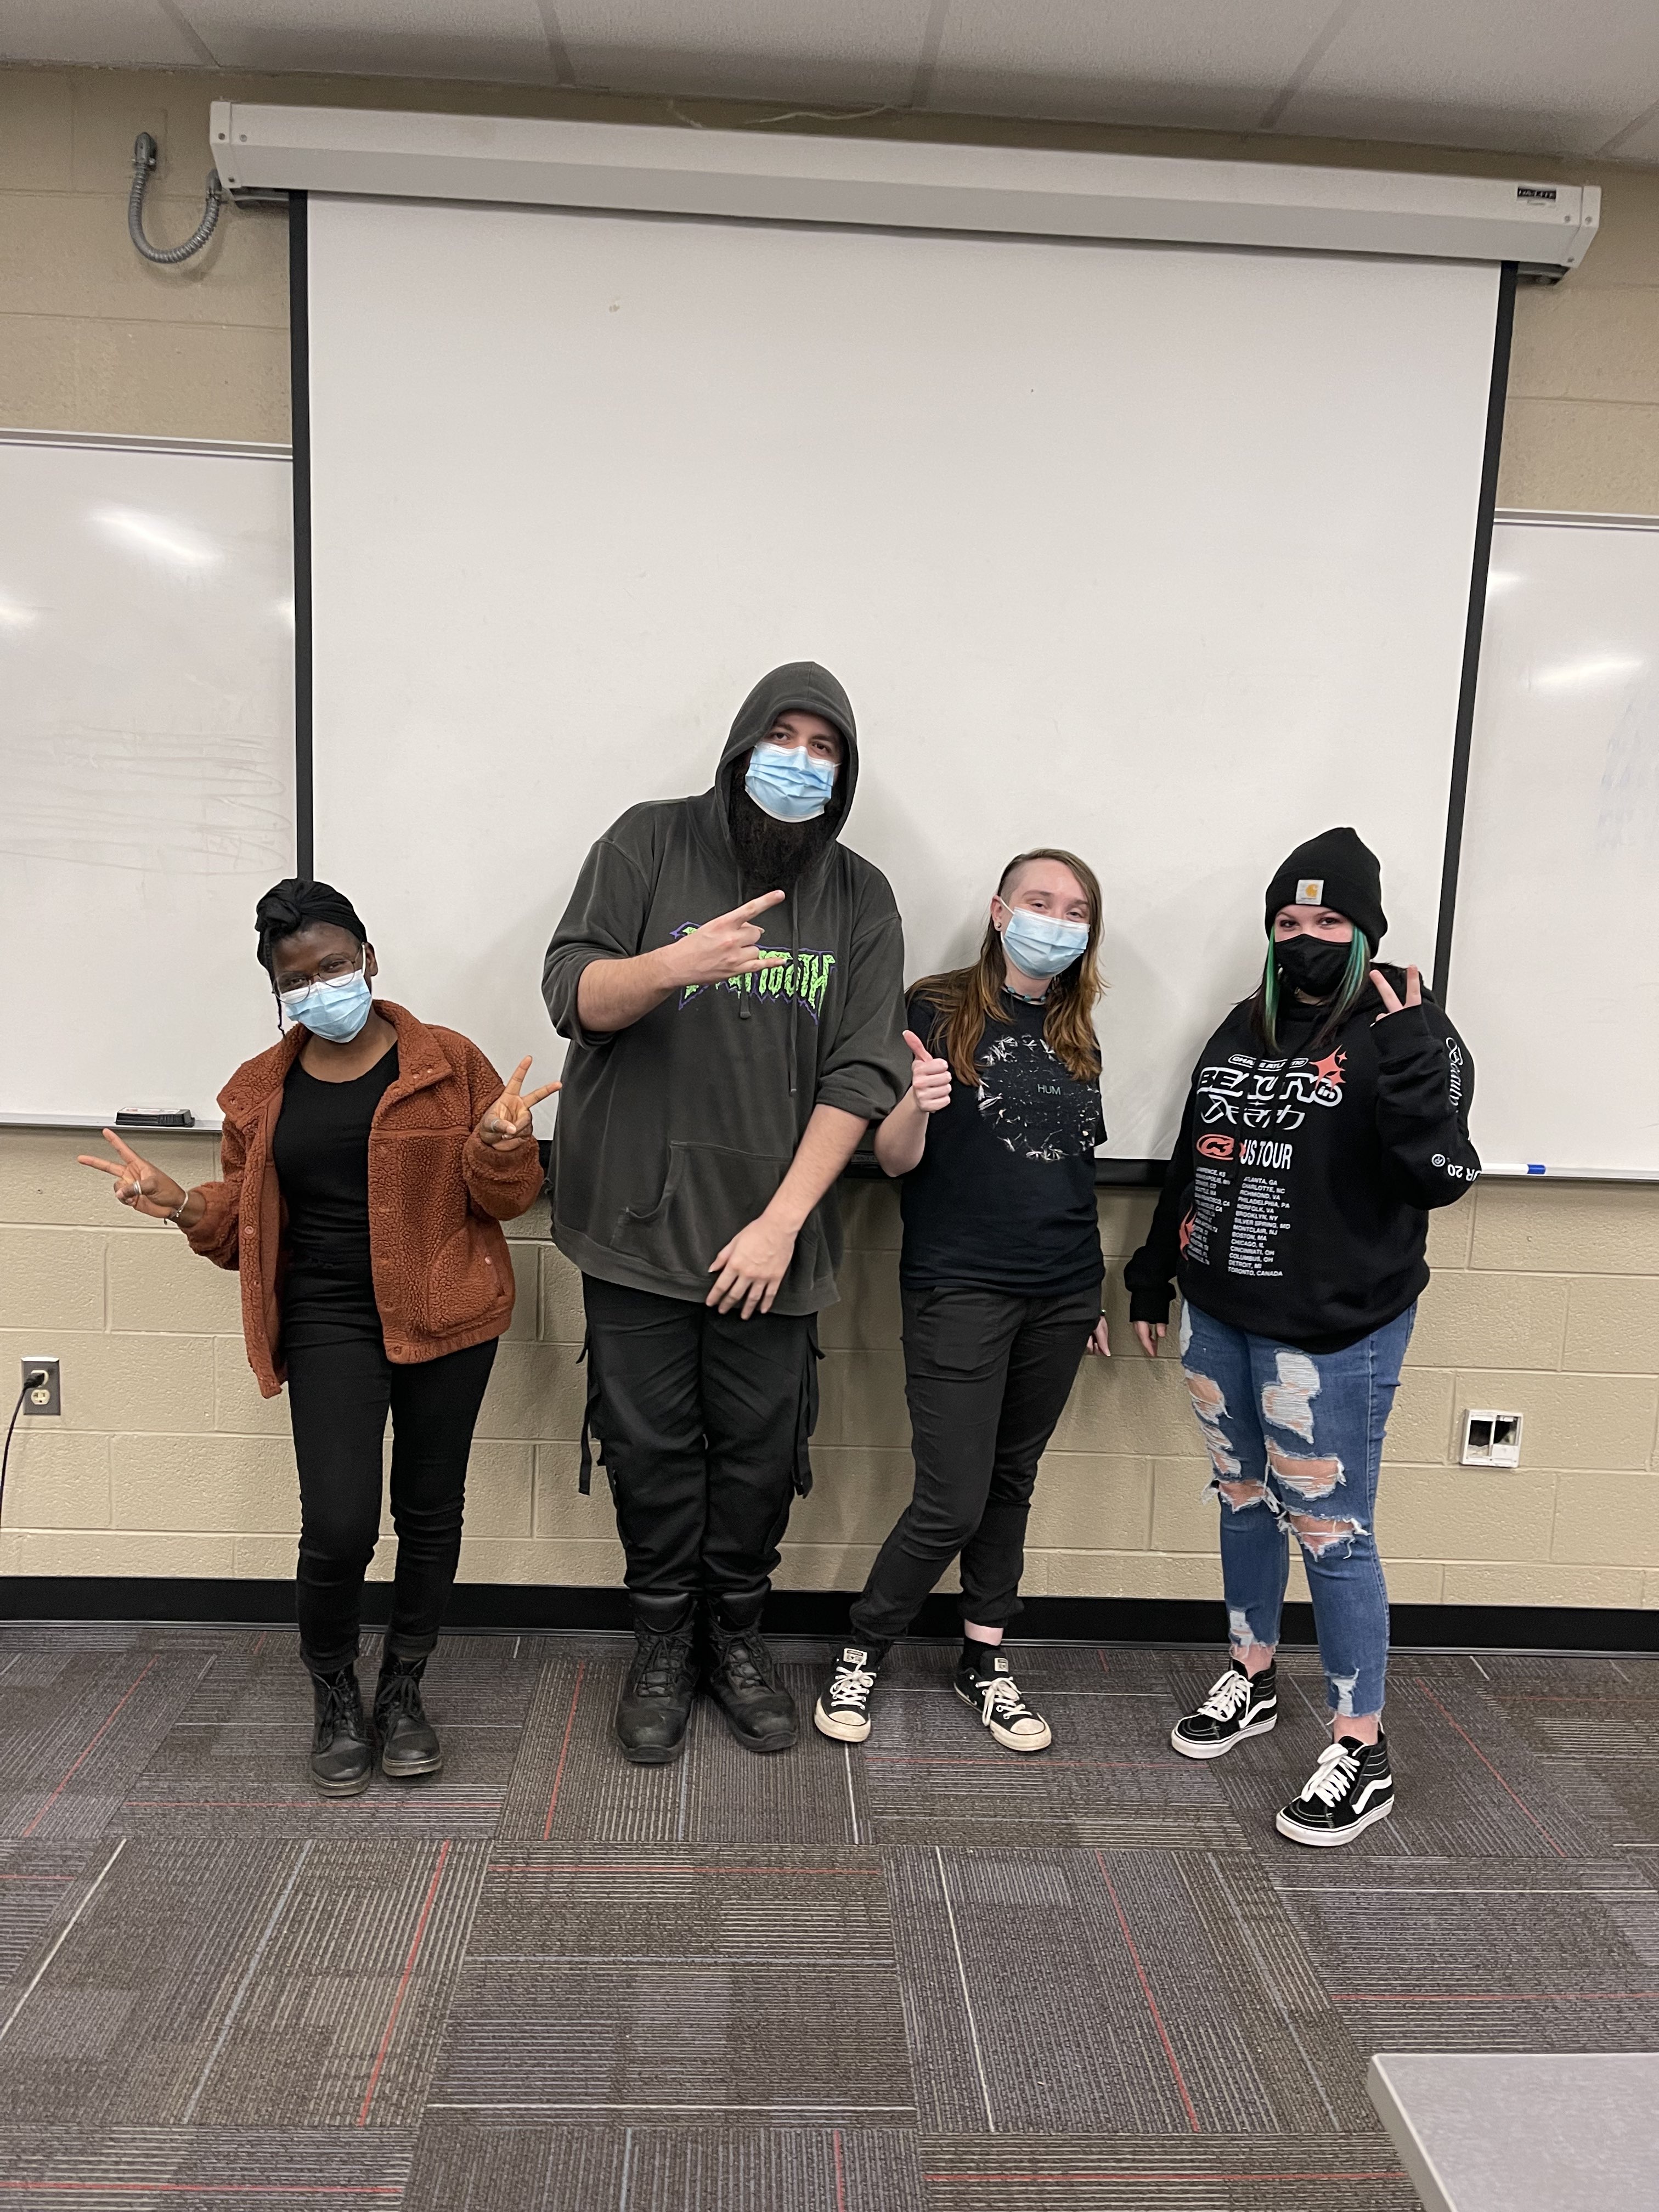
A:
(1004, 1193)
(1297, 1201)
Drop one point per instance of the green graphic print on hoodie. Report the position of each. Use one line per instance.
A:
(674, 1133)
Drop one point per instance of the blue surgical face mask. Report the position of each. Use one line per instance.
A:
(334, 1011)
(1039, 946)
(787, 783)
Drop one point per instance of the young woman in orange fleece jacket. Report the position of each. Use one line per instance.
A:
(368, 1163)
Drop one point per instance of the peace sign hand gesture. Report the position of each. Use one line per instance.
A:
(509, 1119)
(1392, 1003)
(138, 1184)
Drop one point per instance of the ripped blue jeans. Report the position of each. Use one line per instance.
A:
(1295, 1439)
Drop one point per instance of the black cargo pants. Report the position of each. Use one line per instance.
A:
(702, 1420)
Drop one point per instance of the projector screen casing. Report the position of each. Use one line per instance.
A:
(1163, 554)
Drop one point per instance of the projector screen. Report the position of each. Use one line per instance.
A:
(1160, 554)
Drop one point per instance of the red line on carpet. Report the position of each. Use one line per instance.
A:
(871, 1872)
(564, 1752)
(1146, 1991)
(1187, 2173)
(218, 2188)
(991, 1765)
(283, 1804)
(416, 1941)
(1488, 1996)
(841, 2173)
(1490, 1768)
(88, 1749)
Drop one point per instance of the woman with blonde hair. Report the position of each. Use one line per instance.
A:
(1000, 1275)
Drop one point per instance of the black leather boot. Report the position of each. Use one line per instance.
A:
(743, 1676)
(654, 1709)
(409, 1743)
(342, 1749)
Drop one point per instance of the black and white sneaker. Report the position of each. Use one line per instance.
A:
(843, 1710)
(986, 1680)
(1239, 1704)
(1349, 1791)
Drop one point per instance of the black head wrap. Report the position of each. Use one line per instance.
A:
(296, 903)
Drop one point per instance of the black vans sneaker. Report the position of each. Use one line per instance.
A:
(1349, 1791)
(843, 1710)
(1239, 1704)
(985, 1679)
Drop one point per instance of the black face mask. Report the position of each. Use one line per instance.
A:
(1309, 964)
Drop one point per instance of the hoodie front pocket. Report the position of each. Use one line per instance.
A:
(711, 1191)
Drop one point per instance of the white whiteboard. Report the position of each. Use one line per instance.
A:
(1162, 553)
(1553, 981)
(146, 734)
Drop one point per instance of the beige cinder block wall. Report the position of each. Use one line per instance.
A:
(168, 1462)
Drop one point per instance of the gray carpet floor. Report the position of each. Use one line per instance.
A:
(926, 1976)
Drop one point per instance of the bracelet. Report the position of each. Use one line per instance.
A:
(178, 1210)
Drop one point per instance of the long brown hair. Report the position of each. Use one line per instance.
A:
(965, 999)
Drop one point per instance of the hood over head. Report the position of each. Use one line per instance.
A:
(803, 685)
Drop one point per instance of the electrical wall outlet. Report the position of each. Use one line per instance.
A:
(1490, 1439)
(43, 1387)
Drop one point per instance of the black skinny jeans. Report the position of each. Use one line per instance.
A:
(339, 1395)
(987, 1375)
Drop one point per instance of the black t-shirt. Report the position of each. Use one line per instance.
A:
(1004, 1193)
(320, 1152)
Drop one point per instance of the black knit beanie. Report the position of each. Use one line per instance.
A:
(1335, 870)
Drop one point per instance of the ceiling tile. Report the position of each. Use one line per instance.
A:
(854, 53)
(104, 33)
(1202, 63)
(468, 39)
(1530, 75)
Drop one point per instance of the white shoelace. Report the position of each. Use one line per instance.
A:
(1003, 1699)
(1227, 1693)
(1334, 1777)
(852, 1686)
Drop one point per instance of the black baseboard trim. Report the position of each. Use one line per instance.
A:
(509, 1607)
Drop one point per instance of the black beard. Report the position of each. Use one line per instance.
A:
(772, 855)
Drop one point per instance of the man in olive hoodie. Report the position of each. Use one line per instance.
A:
(731, 979)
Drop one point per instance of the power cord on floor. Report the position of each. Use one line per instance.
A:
(31, 1382)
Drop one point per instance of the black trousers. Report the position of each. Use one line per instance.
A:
(341, 1385)
(702, 1420)
(987, 1375)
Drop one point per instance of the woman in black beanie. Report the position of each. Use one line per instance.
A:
(1327, 1115)
(367, 1161)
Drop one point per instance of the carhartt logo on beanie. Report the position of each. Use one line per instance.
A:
(1335, 869)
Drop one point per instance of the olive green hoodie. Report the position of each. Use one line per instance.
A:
(674, 1133)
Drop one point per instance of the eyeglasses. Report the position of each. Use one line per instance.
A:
(333, 969)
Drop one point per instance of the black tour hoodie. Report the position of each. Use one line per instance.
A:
(1297, 1200)
(672, 1133)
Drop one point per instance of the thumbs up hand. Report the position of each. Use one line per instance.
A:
(930, 1078)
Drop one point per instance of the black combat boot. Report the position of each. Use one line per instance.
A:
(409, 1743)
(654, 1709)
(342, 1749)
(743, 1675)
